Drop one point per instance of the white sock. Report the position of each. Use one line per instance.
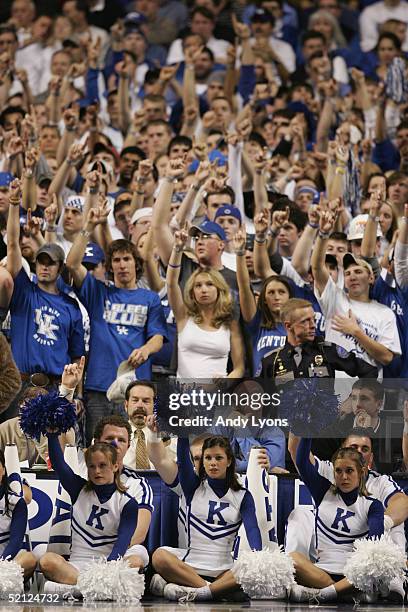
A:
(204, 593)
(328, 593)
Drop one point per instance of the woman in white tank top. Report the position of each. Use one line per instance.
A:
(207, 333)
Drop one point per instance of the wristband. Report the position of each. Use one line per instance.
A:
(260, 240)
(14, 201)
(28, 174)
(388, 522)
(94, 190)
(373, 218)
(177, 248)
(240, 253)
(340, 170)
(314, 225)
(324, 235)
(66, 392)
(70, 162)
(70, 129)
(50, 227)
(195, 187)
(86, 233)
(174, 266)
(152, 437)
(169, 179)
(405, 431)
(273, 233)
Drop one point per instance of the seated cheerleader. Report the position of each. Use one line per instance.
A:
(344, 513)
(104, 516)
(13, 525)
(216, 505)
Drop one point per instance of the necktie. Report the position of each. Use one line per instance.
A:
(297, 355)
(142, 458)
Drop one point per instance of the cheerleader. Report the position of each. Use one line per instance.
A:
(104, 515)
(345, 512)
(216, 504)
(13, 524)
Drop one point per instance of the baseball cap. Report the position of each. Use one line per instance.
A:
(142, 212)
(54, 252)
(228, 211)
(349, 260)
(262, 15)
(44, 178)
(5, 179)
(76, 202)
(134, 18)
(357, 227)
(93, 254)
(124, 376)
(331, 260)
(208, 227)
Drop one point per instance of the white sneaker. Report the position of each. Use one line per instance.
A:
(396, 591)
(174, 592)
(157, 585)
(300, 593)
(190, 597)
(67, 591)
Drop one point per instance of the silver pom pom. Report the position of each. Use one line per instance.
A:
(264, 574)
(11, 578)
(111, 581)
(374, 563)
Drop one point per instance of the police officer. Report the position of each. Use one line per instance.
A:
(306, 355)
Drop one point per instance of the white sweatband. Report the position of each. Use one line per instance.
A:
(67, 393)
(388, 522)
(152, 437)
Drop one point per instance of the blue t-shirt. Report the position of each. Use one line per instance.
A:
(121, 321)
(163, 357)
(46, 329)
(397, 299)
(264, 340)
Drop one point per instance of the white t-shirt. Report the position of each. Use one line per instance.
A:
(217, 45)
(375, 319)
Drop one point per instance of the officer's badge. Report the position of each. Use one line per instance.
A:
(318, 360)
(342, 352)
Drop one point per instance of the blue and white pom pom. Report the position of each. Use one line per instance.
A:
(309, 405)
(374, 563)
(111, 581)
(11, 578)
(47, 411)
(264, 574)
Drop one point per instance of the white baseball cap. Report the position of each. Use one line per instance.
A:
(357, 227)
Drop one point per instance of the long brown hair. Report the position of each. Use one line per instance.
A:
(268, 319)
(111, 454)
(231, 476)
(354, 455)
(223, 308)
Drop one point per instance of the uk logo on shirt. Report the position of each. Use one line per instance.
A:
(45, 319)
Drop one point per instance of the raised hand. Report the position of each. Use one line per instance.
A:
(33, 225)
(209, 120)
(244, 129)
(262, 222)
(72, 374)
(239, 240)
(176, 168)
(51, 213)
(200, 150)
(15, 146)
(191, 114)
(15, 191)
(279, 218)
(31, 158)
(93, 181)
(203, 172)
(242, 31)
(144, 170)
(168, 72)
(70, 117)
(76, 153)
(181, 237)
(326, 222)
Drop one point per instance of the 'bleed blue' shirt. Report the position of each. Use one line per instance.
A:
(121, 321)
(264, 340)
(46, 329)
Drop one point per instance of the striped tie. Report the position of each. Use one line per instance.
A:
(142, 458)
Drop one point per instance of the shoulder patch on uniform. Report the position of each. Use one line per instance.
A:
(271, 353)
(342, 352)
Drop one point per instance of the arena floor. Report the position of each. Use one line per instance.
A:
(160, 606)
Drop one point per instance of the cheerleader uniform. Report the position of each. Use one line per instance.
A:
(341, 518)
(214, 514)
(103, 519)
(13, 525)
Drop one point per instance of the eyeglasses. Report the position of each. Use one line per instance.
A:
(207, 237)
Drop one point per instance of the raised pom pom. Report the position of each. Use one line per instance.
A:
(309, 405)
(374, 563)
(111, 581)
(11, 580)
(47, 411)
(264, 574)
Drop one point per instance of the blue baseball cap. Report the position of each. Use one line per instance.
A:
(208, 227)
(93, 254)
(5, 179)
(228, 211)
(218, 156)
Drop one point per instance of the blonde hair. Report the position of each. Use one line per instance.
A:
(337, 34)
(223, 308)
(111, 454)
(348, 452)
(291, 305)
